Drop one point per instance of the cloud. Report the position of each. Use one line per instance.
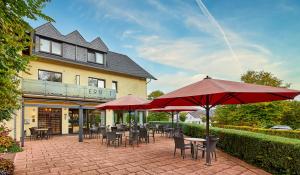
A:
(170, 82)
(118, 10)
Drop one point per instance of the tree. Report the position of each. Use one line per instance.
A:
(155, 94)
(15, 38)
(260, 114)
(263, 78)
(157, 116)
(182, 116)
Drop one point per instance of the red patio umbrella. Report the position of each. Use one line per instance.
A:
(173, 109)
(211, 92)
(127, 103)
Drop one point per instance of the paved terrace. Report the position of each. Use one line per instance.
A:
(65, 155)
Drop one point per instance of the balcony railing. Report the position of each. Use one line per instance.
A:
(48, 88)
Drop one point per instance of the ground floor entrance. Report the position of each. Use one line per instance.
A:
(50, 118)
(91, 117)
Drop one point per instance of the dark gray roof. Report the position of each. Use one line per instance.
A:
(115, 62)
(48, 30)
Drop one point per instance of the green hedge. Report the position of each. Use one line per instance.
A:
(277, 155)
(282, 133)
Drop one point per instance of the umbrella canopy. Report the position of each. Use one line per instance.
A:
(211, 92)
(128, 103)
(174, 109)
(215, 92)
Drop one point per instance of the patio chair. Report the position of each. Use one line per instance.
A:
(178, 132)
(33, 133)
(179, 144)
(113, 129)
(104, 134)
(212, 145)
(49, 133)
(144, 135)
(133, 137)
(112, 138)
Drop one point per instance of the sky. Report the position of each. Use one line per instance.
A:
(180, 42)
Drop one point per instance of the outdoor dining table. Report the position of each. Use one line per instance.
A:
(194, 143)
(42, 132)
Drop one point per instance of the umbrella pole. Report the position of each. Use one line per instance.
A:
(129, 120)
(208, 162)
(177, 119)
(172, 115)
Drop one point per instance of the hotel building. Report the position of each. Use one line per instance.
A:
(68, 78)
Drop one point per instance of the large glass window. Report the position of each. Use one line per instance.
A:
(50, 76)
(95, 82)
(99, 58)
(56, 48)
(44, 45)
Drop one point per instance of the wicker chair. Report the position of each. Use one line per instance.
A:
(179, 144)
(133, 137)
(33, 133)
(212, 150)
(104, 134)
(144, 135)
(112, 138)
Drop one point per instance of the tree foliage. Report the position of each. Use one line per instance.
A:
(182, 116)
(155, 94)
(157, 116)
(263, 78)
(262, 115)
(15, 38)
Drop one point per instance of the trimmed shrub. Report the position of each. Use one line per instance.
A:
(277, 155)
(282, 133)
(6, 167)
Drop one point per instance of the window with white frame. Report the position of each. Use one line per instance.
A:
(99, 58)
(56, 48)
(44, 45)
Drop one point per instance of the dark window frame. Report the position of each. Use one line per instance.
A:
(51, 72)
(116, 82)
(51, 40)
(94, 52)
(97, 81)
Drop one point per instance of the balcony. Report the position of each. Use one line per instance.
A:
(62, 90)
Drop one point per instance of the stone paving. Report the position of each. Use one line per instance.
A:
(65, 155)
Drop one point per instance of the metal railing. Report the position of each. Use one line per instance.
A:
(49, 88)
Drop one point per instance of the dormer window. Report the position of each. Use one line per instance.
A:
(56, 48)
(96, 57)
(50, 46)
(99, 58)
(44, 45)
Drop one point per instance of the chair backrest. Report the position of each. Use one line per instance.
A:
(213, 143)
(143, 132)
(111, 135)
(134, 135)
(32, 131)
(113, 128)
(103, 132)
(179, 142)
(178, 132)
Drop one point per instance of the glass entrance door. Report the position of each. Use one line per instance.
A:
(73, 121)
(50, 118)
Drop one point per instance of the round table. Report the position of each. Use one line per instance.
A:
(194, 143)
